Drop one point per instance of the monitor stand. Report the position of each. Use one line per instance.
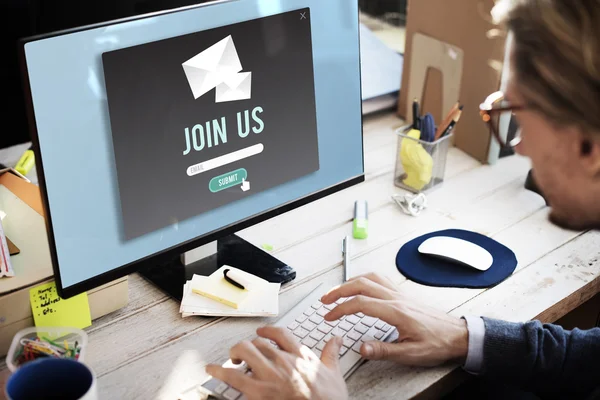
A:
(230, 250)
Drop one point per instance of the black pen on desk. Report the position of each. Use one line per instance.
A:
(416, 116)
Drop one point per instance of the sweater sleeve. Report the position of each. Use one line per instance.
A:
(544, 359)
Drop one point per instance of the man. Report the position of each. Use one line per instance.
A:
(554, 93)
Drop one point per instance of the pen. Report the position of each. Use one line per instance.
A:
(346, 258)
(416, 115)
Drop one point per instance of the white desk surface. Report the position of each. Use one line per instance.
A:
(148, 351)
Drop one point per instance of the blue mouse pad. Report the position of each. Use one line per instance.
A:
(431, 271)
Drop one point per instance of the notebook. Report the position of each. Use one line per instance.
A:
(261, 301)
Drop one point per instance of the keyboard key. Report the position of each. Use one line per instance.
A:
(300, 319)
(321, 345)
(343, 350)
(337, 332)
(324, 328)
(292, 326)
(301, 332)
(361, 328)
(309, 326)
(231, 394)
(345, 326)
(309, 342)
(348, 342)
(379, 324)
(356, 347)
(386, 327)
(360, 315)
(333, 323)
(221, 388)
(330, 306)
(353, 319)
(379, 335)
(315, 319)
(322, 311)
(317, 352)
(318, 335)
(309, 312)
(327, 337)
(340, 300)
(354, 335)
(317, 305)
(368, 321)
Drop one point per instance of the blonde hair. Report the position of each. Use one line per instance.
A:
(556, 57)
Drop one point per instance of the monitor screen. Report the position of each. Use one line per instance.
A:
(156, 131)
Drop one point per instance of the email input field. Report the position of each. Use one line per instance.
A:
(225, 159)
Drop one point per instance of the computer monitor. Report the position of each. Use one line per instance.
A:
(161, 133)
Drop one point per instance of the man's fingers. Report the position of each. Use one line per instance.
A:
(359, 286)
(330, 355)
(231, 376)
(377, 278)
(375, 350)
(284, 339)
(246, 351)
(377, 308)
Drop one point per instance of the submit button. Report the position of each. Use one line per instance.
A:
(228, 180)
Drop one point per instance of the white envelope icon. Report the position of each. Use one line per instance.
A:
(208, 69)
(235, 87)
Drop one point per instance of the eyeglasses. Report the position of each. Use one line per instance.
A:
(494, 110)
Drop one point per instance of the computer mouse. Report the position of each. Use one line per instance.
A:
(459, 251)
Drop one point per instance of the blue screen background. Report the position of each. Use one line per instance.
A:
(71, 114)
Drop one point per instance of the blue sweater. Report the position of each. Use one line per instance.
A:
(544, 359)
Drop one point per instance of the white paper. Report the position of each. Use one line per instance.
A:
(263, 300)
(381, 66)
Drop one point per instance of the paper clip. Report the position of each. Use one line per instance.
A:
(411, 204)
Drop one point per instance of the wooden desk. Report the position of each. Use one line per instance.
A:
(148, 351)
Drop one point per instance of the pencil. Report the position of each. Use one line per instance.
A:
(453, 123)
(446, 122)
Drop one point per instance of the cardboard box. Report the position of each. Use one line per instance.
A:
(24, 224)
(466, 25)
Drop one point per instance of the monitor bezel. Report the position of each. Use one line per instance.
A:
(165, 255)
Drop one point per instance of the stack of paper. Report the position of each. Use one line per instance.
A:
(261, 300)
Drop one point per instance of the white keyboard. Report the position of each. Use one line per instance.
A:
(306, 322)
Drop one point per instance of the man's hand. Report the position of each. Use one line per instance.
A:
(291, 371)
(427, 337)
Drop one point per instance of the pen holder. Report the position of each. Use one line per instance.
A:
(420, 165)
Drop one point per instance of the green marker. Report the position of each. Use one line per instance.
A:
(361, 221)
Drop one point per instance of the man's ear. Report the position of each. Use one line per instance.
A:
(589, 154)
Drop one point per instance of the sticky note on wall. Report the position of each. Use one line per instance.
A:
(49, 309)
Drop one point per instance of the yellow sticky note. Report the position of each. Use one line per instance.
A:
(220, 290)
(50, 310)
